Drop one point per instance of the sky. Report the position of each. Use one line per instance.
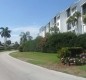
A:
(29, 15)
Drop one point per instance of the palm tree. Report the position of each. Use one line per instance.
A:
(84, 19)
(54, 29)
(77, 15)
(74, 19)
(5, 32)
(25, 37)
(28, 36)
(71, 20)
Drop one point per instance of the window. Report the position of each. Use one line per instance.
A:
(84, 8)
(49, 24)
(55, 19)
(68, 12)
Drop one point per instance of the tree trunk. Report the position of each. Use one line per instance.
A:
(76, 27)
(5, 39)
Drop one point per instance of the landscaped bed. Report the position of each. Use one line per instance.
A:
(50, 61)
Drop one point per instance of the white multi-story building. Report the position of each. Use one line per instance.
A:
(60, 20)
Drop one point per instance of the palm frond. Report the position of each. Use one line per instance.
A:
(84, 19)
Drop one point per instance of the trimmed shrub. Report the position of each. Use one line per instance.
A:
(70, 52)
(75, 51)
(78, 61)
(72, 55)
(81, 41)
(64, 52)
(57, 41)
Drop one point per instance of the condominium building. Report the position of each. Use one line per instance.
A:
(60, 20)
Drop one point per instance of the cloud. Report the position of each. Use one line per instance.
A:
(34, 30)
(24, 29)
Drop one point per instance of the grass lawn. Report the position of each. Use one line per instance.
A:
(83, 67)
(36, 57)
(50, 61)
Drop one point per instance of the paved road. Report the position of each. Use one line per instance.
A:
(14, 69)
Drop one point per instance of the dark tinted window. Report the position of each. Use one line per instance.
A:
(84, 8)
(68, 12)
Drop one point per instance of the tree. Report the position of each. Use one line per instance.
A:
(54, 29)
(25, 37)
(47, 34)
(37, 43)
(5, 32)
(28, 36)
(84, 19)
(16, 45)
(0, 43)
(71, 20)
(8, 42)
(74, 19)
(77, 15)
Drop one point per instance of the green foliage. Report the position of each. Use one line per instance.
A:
(54, 42)
(21, 48)
(33, 45)
(25, 37)
(16, 45)
(8, 42)
(71, 20)
(38, 43)
(74, 18)
(64, 52)
(78, 62)
(77, 15)
(75, 51)
(84, 19)
(47, 35)
(70, 52)
(72, 55)
(8, 48)
(81, 41)
(57, 41)
(5, 32)
(28, 46)
(54, 29)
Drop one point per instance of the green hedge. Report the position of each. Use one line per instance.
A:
(54, 42)
(70, 52)
(75, 51)
(64, 52)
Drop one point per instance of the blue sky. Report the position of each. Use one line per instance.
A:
(29, 15)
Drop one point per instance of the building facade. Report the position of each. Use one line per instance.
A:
(60, 20)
